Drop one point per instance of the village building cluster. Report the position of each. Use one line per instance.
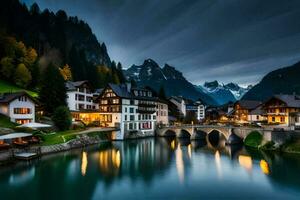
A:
(139, 110)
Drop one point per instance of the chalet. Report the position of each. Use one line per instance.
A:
(283, 109)
(132, 110)
(80, 99)
(242, 110)
(19, 107)
(258, 114)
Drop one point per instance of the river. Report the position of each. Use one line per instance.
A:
(162, 168)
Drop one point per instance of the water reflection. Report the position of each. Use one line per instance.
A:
(264, 167)
(84, 163)
(154, 168)
(246, 162)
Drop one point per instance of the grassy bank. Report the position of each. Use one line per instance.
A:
(58, 137)
(8, 87)
(6, 123)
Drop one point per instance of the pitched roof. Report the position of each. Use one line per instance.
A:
(258, 111)
(248, 104)
(290, 100)
(72, 85)
(9, 97)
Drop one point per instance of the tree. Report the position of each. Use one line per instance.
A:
(7, 68)
(161, 92)
(53, 90)
(62, 118)
(114, 73)
(121, 76)
(22, 76)
(66, 72)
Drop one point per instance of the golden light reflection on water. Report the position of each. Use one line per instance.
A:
(190, 150)
(264, 167)
(173, 145)
(218, 164)
(84, 163)
(179, 164)
(246, 162)
(110, 161)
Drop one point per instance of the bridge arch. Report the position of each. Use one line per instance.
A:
(234, 139)
(169, 133)
(183, 133)
(199, 134)
(214, 137)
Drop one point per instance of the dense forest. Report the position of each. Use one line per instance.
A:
(31, 39)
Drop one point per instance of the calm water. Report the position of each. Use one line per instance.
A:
(154, 169)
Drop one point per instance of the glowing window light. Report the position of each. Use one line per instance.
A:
(264, 167)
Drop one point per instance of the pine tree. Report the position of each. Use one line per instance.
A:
(121, 76)
(53, 90)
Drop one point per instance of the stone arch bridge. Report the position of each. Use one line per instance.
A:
(231, 134)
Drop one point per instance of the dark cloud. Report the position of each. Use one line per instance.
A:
(232, 40)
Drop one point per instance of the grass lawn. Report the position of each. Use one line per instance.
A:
(8, 87)
(104, 135)
(59, 137)
(6, 123)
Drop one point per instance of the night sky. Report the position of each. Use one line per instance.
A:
(225, 40)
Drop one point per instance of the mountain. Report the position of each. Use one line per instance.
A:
(174, 83)
(285, 80)
(57, 38)
(222, 94)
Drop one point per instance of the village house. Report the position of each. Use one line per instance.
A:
(18, 106)
(197, 108)
(132, 110)
(257, 115)
(80, 99)
(242, 109)
(283, 110)
(162, 115)
(180, 104)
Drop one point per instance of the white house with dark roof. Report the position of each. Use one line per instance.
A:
(19, 107)
(80, 99)
(132, 110)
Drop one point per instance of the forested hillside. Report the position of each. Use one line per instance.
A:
(30, 39)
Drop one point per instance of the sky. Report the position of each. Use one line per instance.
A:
(225, 40)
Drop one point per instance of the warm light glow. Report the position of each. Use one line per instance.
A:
(180, 164)
(190, 150)
(110, 161)
(218, 164)
(264, 167)
(173, 145)
(84, 163)
(246, 162)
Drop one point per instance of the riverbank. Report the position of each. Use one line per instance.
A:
(59, 142)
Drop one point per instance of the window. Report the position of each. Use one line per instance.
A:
(22, 111)
(125, 117)
(131, 102)
(131, 117)
(139, 117)
(106, 118)
(281, 119)
(104, 102)
(130, 126)
(115, 101)
(273, 119)
(257, 117)
(131, 110)
(22, 98)
(125, 109)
